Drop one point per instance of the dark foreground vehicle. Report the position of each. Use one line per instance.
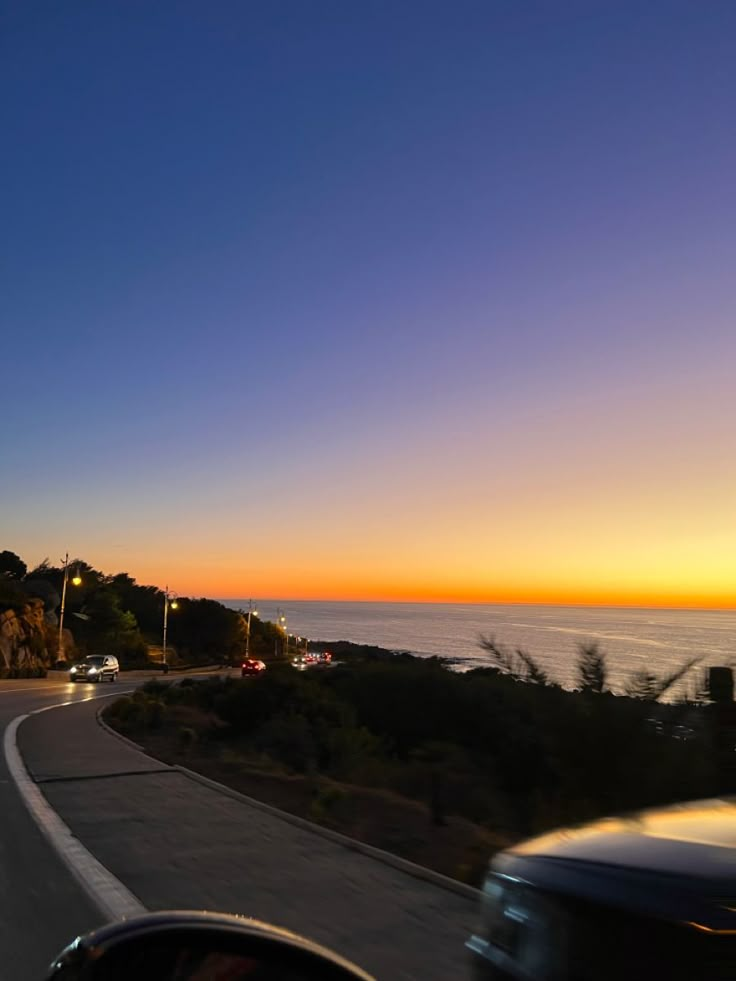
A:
(184, 946)
(650, 896)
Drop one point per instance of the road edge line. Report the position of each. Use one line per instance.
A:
(107, 892)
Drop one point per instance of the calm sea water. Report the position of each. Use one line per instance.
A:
(658, 640)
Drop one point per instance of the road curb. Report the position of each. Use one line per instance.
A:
(107, 892)
(118, 735)
(402, 864)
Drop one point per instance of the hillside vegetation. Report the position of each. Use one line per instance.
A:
(112, 613)
(508, 757)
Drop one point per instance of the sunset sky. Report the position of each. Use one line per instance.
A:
(373, 300)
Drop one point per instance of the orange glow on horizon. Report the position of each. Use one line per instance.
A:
(361, 591)
(650, 588)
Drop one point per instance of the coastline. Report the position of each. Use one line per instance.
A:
(633, 639)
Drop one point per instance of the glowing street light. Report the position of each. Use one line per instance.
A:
(170, 600)
(281, 622)
(76, 581)
(252, 611)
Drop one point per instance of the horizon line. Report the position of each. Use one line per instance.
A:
(418, 602)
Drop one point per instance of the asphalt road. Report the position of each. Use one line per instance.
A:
(42, 906)
(178, 844)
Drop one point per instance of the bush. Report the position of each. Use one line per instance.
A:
(480, 745)
(288, 739)
(155, 688)
(187, 737)
(325, 798)
(137, 711)
(349, 751)
(122, 714)
(249, 703)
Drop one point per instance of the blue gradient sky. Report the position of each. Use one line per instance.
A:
(380, 300)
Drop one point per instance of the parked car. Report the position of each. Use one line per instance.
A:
(251, 666)
(652, 895)
(96, 667)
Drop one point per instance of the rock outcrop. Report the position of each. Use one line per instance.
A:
(23, 651)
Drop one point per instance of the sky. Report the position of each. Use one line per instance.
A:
(382, 300)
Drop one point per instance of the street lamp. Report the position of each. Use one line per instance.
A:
(282, 624)
(76, 581)
(170, 600)
(252, 611)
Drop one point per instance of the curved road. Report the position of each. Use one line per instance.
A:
(230, 853)
(42, 906)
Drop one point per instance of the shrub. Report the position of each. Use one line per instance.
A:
(288, 739)
(482, 745)
(136, 711)
(325, 798)
(123, 713)
(155, 688)
(187, 737)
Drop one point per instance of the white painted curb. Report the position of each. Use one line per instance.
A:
(107, 892)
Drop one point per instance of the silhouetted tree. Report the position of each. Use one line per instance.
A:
(44, 590)
(517, 664)
(650, 687)
(266, 639)
(108, 629)
(44, 570)
(146, 602)
(12, 566)
(206, 631)
(592, 670)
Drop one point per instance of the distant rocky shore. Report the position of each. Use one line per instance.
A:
(347, 649)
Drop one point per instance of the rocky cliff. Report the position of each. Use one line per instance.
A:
(23, 651)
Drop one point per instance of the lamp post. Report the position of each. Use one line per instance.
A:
(252, 611)
(76, 581)
(282, 624)
(170, 600)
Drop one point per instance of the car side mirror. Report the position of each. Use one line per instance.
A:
(184, 946)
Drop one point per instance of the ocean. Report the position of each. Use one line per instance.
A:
(633, 639)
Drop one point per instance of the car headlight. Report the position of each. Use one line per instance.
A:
(93, 670)
(74, 670)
